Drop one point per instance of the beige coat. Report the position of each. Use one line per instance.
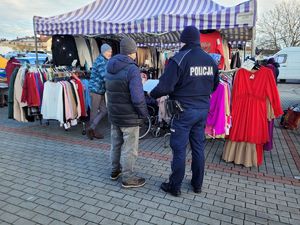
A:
(19, 113)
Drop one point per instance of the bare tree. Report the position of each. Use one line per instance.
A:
(280, 27)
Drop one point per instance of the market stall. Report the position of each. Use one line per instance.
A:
(158, 24)
(152, 21)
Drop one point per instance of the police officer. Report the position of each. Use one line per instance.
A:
(190, 78)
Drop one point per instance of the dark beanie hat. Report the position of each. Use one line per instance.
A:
(190, 34)
(271, 61)
(127, 46)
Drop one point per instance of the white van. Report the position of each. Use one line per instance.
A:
(289, 60)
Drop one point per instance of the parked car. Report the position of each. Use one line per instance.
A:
(289, 61)
(29, 57)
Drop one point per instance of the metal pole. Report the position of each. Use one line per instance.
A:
(245, 51)
(36, 45)
(253, 42)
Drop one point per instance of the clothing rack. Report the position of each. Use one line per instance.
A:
(54, 71)
(67, 77)
(79, 120)
(227, 75)
(79, 73)
(228, 71)
(32, 65)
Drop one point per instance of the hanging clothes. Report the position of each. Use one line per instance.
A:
(249, 114)
(84, 104)
(94, 49)
(19, 110)
(216, 118)
(227, 108)
(84, 54)
(52, 104)
(235, 61)
(249, 94)
(240, 153)
(78, 102)
(270, 114)
(11, 93)
(33, 97)
(30, 93)
(164, 57)
(64, 50)
(86, 94)
(154, 57)
(72, 102)
(219, 115)
(40, 80)
(67, 106)
(226, 54)
(144, 57)
(212, 43)
(163, 114)
(10, 66)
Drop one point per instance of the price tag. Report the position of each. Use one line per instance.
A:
(248, 64)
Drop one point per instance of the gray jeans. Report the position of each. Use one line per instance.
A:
(127, 140)
(98, 109)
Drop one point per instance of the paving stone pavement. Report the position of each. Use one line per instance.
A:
(52, 176)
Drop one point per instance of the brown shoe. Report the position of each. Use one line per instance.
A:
(90, 133)
(98, 135)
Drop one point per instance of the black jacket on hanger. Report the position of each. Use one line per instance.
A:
(64, 50)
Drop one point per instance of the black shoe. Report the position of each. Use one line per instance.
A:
(115, 175)
(134, 182)
(167, 188)
(90, 133)
(196, 190)
(98, 135)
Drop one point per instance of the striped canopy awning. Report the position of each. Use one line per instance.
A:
(152, 20)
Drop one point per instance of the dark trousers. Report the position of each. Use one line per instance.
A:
(98, 109)
(188, 126)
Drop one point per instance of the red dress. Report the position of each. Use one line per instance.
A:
(249, 110)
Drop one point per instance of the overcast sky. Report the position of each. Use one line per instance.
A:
(16, 15)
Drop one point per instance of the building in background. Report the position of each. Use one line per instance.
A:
(26, 43)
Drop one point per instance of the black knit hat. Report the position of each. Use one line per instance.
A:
(127, 46)
(190, 35)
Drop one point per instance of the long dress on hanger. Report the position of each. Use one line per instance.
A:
(269, 145)
(249, 129)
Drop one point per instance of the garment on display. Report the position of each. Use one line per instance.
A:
(64, 50)
(212, 43)
(249, 131)
(48, 93)
(84, 54)
(219, 116)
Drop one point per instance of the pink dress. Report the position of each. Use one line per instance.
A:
(216, 119)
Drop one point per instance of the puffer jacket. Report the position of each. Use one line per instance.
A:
(125, 96)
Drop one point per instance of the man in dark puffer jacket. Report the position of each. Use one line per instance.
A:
(126, 111)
